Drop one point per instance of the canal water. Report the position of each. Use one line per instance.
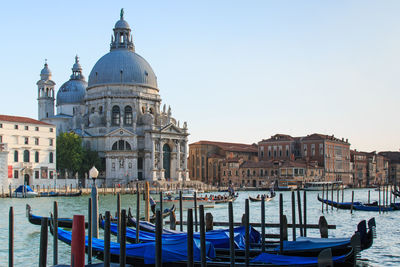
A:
(384, 252)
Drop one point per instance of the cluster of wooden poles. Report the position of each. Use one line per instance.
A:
(385, 201)
(78, 256)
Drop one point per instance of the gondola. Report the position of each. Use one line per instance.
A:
(304, 246)
(37, 220)
(224, 200)
(340, 205)
(59, 194)
(259, 199)
(165, 213)
(219, 238)
(174, 253)
(360, 206)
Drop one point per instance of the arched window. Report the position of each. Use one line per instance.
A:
(121, 145)
(127, 146)
(101, 110)
(26, 156)
(16, 156)
(36, 156)
(51, 157)
(128, 115)
(115, 115)
(272, 172)
(248, 172)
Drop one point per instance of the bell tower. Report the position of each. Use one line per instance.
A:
(45, 94)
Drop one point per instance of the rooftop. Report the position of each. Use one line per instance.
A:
(22, 120)
(230, 146)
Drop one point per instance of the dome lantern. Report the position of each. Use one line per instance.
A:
(45, 73)
(77, 70)
(122, 35)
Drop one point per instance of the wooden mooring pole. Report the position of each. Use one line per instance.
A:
(323, 199)
(262, 222)
(281, 223)
(107, 239)
(247, 232)
(180, 211)
(190, 261)
(43, 242)
(90, 221)
(55, 233)
(300, 213)
(158, 239)
(305, 212)
(122, 238)
(202, 237)
(352, 202)
(232, 235)
(137, 213)
(11, 237)
(331, 196)
(379, 204)
(195, 210)
(118, 215)
(293, 219)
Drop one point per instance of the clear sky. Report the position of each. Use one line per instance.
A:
(236, 71)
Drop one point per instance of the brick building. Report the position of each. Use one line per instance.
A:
(368, 168)
(330, 152)
(393, 170)
(268, 173)
(206, 158)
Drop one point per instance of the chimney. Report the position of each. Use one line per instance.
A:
(347, 140)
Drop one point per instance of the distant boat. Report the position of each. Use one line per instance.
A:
(24, 191)
(59, 194)
(259, 198)
(319, 186)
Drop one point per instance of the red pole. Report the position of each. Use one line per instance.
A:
(78, 241)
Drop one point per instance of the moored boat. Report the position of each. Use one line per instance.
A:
(319, 186)
(374, 206)
(24, 191)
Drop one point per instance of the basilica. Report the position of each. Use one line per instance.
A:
(118, 113)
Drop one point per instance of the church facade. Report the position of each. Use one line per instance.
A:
(119, 113)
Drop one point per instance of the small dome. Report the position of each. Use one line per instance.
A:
(121, 24)
(72, 92)
(45, 73)
(122, 67)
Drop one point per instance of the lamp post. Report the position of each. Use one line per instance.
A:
(93, 173)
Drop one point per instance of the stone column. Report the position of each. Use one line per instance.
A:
(178, 155)
(185, 155)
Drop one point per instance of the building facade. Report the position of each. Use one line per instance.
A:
(327, 151)
(393, 169)
(27, 151)
(369, 168)
(119, 114)
(206, 159)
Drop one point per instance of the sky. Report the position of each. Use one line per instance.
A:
(236, 71)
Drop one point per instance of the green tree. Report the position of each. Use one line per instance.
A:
(69, 152)
(89, 159)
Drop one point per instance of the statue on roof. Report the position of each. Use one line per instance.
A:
(122, 13)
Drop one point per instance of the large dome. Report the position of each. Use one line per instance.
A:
(72, 92)
(122, 66)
